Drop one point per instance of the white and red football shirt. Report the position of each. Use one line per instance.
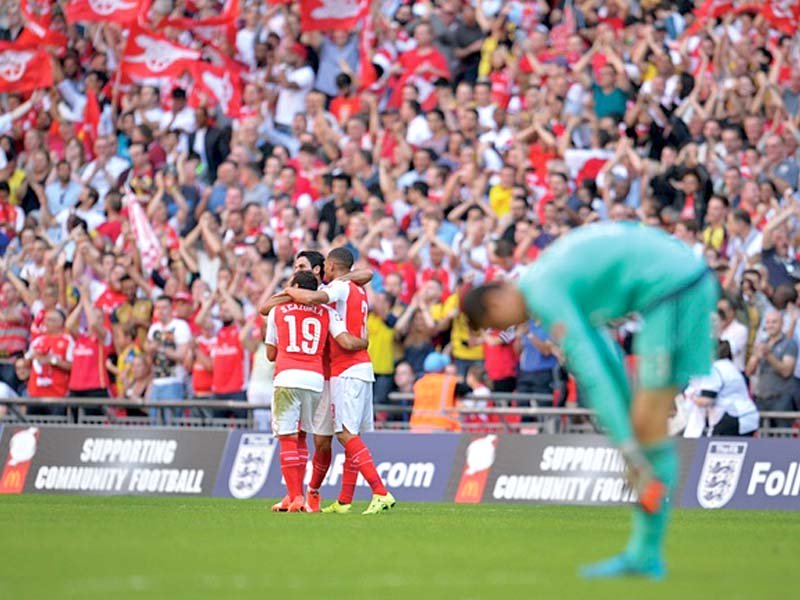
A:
(350, 303)
(47, 380)
(299, 333)
(231, 362)
(89, 363)
(202, 378)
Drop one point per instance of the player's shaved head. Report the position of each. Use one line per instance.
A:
(498, 305)
(339, 262)
(342, 257)
(304, 280)
(474, 305)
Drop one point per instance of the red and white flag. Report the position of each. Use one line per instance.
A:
(585, 164)
(150, 56)
(23, 69)
(222, 86)
(559, 35)
(367, 74)
(327, 15)
(209, 28)
(37, 15)
(420, 69)
(783, 15)
(115, 11)
(710, 9)
(146, 239)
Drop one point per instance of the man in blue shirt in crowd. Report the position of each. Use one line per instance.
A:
(537, 364)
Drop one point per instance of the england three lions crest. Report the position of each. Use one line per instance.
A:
(251, 465)
(720, 475)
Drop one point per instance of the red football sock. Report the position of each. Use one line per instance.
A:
(289, 465)
(302, 457)
(361, 459)
(349, 478)
(321, 463)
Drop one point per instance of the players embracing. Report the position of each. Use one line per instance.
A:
(345, 407)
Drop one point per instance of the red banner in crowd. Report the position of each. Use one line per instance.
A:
(37, 32)
(559, 35)
(366, 42)
(149, 55)
(420, 69)
(221, 85)
(23, 69)
(327, 15)
(102, 11)
(783, 15)
(209, 28)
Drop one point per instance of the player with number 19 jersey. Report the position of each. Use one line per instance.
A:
(299, 333)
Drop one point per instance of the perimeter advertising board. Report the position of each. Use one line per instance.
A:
(416, 467)
(560, 469)
(744, 473)
(110, 461)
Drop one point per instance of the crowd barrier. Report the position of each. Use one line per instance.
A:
(509, 413)
(575, 469)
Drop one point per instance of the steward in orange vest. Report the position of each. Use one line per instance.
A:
(435, 397)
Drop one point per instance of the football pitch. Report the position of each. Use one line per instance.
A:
(74, 547)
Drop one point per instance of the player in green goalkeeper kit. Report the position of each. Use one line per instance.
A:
(594, 275)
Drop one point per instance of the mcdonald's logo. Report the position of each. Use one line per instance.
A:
(470, 489)
(13, 479)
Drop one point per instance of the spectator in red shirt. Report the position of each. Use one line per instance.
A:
(346, 104)
(51, 357)
(15, 319)
(89, 375)
(402, 264)
(501, 359)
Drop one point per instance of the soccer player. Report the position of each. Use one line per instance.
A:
(296, 336)
(601, 273)
(351, 382)
(322, 415)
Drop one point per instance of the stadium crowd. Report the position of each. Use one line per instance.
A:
(141, 226)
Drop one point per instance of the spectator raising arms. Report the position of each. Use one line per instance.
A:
(444, 144)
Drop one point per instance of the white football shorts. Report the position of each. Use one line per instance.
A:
(292, 410)
(322, 415)
(351, 401)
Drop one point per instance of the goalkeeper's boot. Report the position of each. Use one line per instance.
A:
(283, 505)
(337, 508)
(623, 565)
(380, 504)
(313, 500)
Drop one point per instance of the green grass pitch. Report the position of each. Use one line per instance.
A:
(57, 547)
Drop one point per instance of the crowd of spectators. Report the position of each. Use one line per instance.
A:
(487, 130)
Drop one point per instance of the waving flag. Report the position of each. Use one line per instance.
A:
(209, 28)
(559, 34)
(327, 15)
(367, 74)
(23, 69)
(146, 239)
(122, 12)
(36, 32)
(223, 86)
(783, 15)
(150, 56)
